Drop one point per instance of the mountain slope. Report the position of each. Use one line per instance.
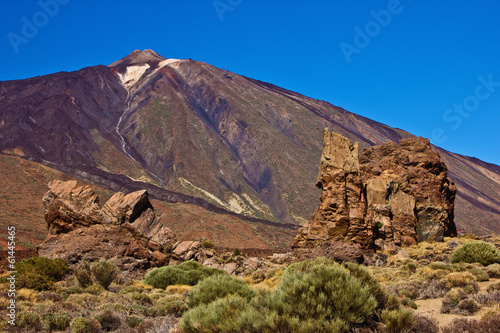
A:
(189, 129)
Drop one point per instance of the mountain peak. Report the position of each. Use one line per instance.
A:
(138, 57)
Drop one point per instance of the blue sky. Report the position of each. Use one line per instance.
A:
(429, 67)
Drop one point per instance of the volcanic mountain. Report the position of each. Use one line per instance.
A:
(190, 132)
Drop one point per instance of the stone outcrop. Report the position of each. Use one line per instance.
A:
(126, 228)
(388, 196)
(69, 206)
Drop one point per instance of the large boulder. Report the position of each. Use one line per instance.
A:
(388, 196)
(125, 229)
(125, 208)
(69, 206)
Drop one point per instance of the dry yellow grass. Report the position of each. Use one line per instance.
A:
(178, 289)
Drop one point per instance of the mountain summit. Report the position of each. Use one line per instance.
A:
(188, 131)
(138, 57)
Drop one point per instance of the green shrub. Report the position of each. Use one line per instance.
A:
(325, 290)
(40, 273)
(313, 296)
(235, 314)
(439, 265)
(493, 287)
(108, 320)
(476, 251)
(130, 289)
(29, 319)
(480, 274)
(410, 303)
(468, 306)
(83, 274)
(218, 286)
(105, 272)
(170, 305)
(206, 244)
(452, 299)
(493, 270)
(84, 325)
(133, 321)
(461, 279)
(94, 289)
(58, 321)
(381, 296)
(140, 298)
(400, 320)
(188, 273)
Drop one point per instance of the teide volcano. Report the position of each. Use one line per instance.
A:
(185, 129)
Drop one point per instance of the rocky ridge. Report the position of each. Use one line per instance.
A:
(388, 196)
(126, 228)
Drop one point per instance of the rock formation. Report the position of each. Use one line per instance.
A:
(126, 228)
(387, 196)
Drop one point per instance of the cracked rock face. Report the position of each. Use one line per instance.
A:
(389, 195)
(126, 228)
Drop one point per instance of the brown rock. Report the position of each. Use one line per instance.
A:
(126, 229)
(181, 248)
(121, 208)
(388, 196)
(69, 206)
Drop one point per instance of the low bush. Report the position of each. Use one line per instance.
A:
(30, 320)
(140, 298)
(133, 321)
(105, 272)
(84, 325)
(206, 244)
(400, 320)
(313, 296)
(479, 274)
(95, 289)
(58, 321)
(188, 273)
(218, 286)
(476, 251)
(40, 273)
(489, 323)
(439, 265)
(170, 305)
(461, 279)
(83, 274)
(494, 287)
(425, 325)
(108, 320)
(468, 306)
(493, 270)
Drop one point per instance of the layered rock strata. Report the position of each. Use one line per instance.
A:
(389, 195)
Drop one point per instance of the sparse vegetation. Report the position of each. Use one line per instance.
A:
(310, 296)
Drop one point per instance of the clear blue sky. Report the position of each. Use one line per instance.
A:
(427, 66)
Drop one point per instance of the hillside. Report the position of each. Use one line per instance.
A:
(193, 133)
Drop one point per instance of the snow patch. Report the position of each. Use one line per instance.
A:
(132, 75)
(168, 62)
